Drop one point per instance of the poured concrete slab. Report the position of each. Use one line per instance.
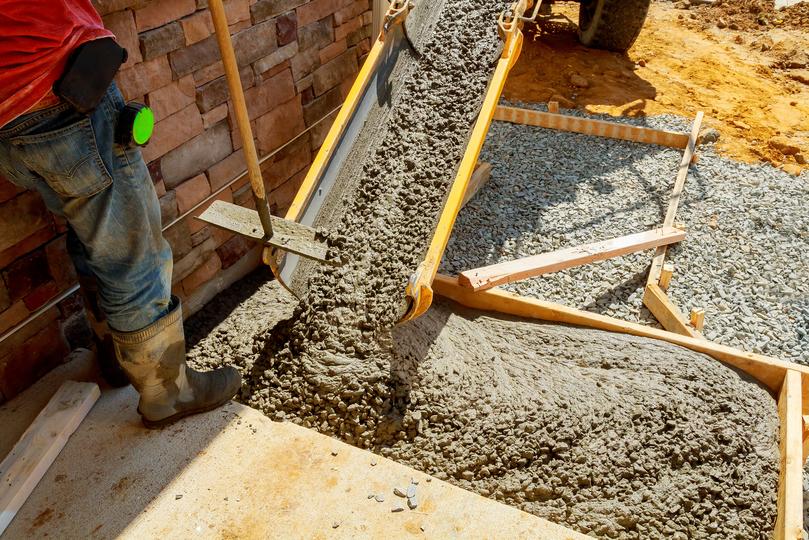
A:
(232, 473)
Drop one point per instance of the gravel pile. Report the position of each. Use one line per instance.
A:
(745, 259)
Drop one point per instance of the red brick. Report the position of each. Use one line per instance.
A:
(26, 273)
(304, 62)
(262, 10)
(367, 18)
(332, 51)
(349, 12)
(214, 116)
(179, 238)
(217, 92)
(271, 61)
(159, 12)
(28, 363)
(279, 125)
(197, 155)
(318, 132)
(59, 262)
(286, 28)
(195, 57)
(363, 47)
(29, 243)
(255, 42)
(291, 160)
(183, 267)
(344, 29)
(172, 98)
(316, 10)
(208, 73)
(227, 169)
(20, 217)
(202, 274)
(156, 172)
(335, 72)
(174, 131)
(220, 236)
(238, 27)
(284, 66)
(237, 11)
(39, 296)
(197, 27)
(282, 196)
(122, 24)
(201, 235)
(168, 207)
(160, 188)
(108, 6)
(363, 32)
(233, 249)
(162, 40)
(144, 77)
(192, 192)
(317, 34)
(8, 190)
(13, 315)
(261, 99)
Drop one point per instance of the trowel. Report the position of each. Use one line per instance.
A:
(283, 234)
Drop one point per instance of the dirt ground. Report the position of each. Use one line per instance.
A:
(752, 84)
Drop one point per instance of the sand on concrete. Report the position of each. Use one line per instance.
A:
(611, 435)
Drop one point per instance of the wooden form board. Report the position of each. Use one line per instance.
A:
(493, 275)
(38, 447)
(788, 382)
(589, 126)
(789, 524)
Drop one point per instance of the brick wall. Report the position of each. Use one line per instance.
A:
(298, 59)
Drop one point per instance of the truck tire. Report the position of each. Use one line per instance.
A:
(611, 24)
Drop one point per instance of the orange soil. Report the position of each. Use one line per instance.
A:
(674, 69)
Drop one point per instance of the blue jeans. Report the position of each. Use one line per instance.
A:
(105, 194)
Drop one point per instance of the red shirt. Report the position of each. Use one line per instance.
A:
(36, 38)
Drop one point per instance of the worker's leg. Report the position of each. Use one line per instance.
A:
(105, 193)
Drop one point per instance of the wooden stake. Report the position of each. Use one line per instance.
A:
(507, 272)
(553, 107)
(665, 276)
(697, 318)
(789, 523)
(41, 443)
(672, 319)
(589, 126)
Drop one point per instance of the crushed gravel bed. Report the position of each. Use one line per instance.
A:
(745, 259)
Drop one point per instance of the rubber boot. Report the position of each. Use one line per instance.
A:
(105, 350)
(154, 360)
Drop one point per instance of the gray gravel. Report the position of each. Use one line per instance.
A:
(744, 260)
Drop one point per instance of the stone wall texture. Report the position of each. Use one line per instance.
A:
(298, 59)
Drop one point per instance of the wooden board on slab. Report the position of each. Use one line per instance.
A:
(479, 177)
(38, 447)
(590, 126)
(493, 275)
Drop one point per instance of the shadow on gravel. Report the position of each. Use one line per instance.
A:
(202, 323)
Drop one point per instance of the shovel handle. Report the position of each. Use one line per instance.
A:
(220, 23)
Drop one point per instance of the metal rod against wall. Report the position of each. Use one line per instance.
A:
(54, 301)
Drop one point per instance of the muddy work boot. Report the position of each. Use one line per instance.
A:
(154, 360)
(102, 338)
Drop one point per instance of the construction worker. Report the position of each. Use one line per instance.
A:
(60, 121)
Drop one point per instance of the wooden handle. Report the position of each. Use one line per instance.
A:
(240, 109)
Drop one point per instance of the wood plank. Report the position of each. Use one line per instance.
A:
(666, 312)
(38, 447)
(590, 126)
(674, 198)
(493, 275)
(553, 107)
(665, 276)
(697, 318)
(480, 176)
(789, 524)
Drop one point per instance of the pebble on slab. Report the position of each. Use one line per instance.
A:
(397, 508)
(380, 498)
(399, 493)
(412, 502)
(411, 491)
